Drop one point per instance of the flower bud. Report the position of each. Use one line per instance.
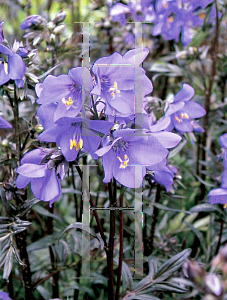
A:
(52, 38)
(4, 143)
(195, 272)
(59, 17)
(34, 21)
(59, 29)
(213, 285)
(39, 128)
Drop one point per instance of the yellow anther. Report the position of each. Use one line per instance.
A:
(124, 163)
(67, 103)
(0, 62)
(225, 205)
(78, 145)
(165, 5)
(184, 115)
(114, 90)
(72, 144)
(171, 19)
(202, 16)
(177, 119)
(6, 68)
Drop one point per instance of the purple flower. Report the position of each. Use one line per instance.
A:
(182, 111)
(118, 12)
(170, 21)
(4, 296)
(116, 80)
(41, 167)
(125, 149)
(11, 67)
(73, 134)
(4, 123)
(66, 91)
(223, 142)
(31, 21)
(162, 174)
(220, 195)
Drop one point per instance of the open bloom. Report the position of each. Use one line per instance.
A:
(162, 174)
(11, 66)
(66, 91)
(182, 111)
(4, 123)
(116, 80)
(41, 167)
(73, 134)
(127, 152)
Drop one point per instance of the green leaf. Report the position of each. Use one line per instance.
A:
(172, 265)
(126, 277)
(163, 207)
(82, 226)
(44, 242)
(26, 206)
(206, 207)
(152, 263)
(17, 255)
(8, 264)
(44, 212)
(142, 297)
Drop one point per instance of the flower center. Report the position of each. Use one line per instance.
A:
(67, 103)
(105, 83)
(171, 17)
(183, 115)
(114, 90)
(77, 145)
(165, 5)
(120, 146)
(202, 16)
(124, 163)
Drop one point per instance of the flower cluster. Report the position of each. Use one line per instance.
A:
(169, 16)
(219, 195)
(96, 114)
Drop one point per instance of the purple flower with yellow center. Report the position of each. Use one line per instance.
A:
(11, 66)
(115, 77)
(4, 123)
(182, 111)
(124, 150)
(170, 21)
(73, 134)
(67, 91)
(42, 167)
